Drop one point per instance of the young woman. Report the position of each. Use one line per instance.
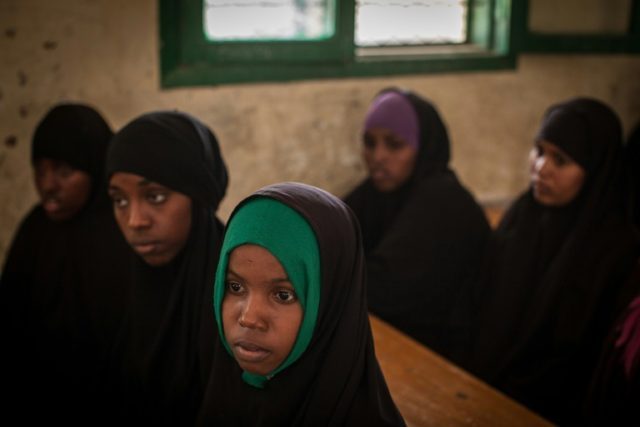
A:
(615, 389)
(166, 180)
(563, 251)
(63, 283)
(294, 345)
(424, 235)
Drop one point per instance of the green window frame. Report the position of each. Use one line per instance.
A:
(585, 43)
(189, 59)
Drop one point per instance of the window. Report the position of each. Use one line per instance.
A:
(608, 26)
(228, 41)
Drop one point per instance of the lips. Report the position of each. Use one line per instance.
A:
(51, 205)
(144, 248)
(379, 174)
(247, 351)
(541, 187)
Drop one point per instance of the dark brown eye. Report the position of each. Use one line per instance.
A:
(118, 200)
(234, 287)
(369, 142)
(285, 296)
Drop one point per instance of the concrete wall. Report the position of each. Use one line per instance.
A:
(105, 52)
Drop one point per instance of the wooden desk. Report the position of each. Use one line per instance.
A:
(430, 391)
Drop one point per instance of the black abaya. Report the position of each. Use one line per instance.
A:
(557, 273)
(163, 353)
(423, 244)
(337, 380)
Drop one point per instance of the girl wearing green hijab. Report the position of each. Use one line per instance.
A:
(295, 344)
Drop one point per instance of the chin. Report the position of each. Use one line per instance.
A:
(156, 261)
(59, 217)
(384, 187)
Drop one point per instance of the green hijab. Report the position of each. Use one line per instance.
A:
(287, 236)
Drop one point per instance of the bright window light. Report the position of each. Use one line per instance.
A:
(263, 20)
(410, 22)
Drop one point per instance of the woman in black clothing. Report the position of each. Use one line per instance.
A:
(615, 390)
(63, 283)
(562, 253)
(424, 235)
(295, 345)
(166, 180)
(632, 158)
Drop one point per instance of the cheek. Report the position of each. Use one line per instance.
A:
(574, 182)
(176, 224)
(290, 326)
(121, 219)
(367, 156)
(227, 314)
(406, 163)
(77, 189)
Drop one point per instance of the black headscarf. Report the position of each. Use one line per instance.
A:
(63, 285)
(165, 346)
(556, 273)
(423, 243)
(337, 380)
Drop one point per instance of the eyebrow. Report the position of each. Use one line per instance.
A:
(272, 281)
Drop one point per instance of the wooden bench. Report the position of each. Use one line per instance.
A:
(430, 391)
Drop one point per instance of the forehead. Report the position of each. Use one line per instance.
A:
(127, 180)
(551, 147)
(254, 255)
(47, 162)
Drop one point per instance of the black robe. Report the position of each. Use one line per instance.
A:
(162, 357)
(615, 388)
(63, 284)
(423, 244)
(555, 275)
(632, 158)
(337, 380)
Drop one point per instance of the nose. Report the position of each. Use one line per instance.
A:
(541, 166)
(138, 217)
(378, 154)
(48, 182)
(253, 314)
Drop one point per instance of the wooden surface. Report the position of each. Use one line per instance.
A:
(430, 391)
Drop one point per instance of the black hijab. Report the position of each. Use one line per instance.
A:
(337, 380)
(423, 243)
(556, 273)
(165, 345)
(59, 300)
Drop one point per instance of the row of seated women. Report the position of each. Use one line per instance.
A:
(125, 300)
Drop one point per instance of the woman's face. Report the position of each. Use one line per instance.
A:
(261, 313)
(154, 219)
(556, 179)
(390, 159)
(63, 190)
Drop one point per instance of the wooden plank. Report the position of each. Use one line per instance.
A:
(430, 391)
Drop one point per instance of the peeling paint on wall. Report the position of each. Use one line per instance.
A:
(11, 141)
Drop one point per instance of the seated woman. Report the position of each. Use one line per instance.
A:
(632, 157)
(166, 179)
(294, 344)
(424, 235)
(62, 287)
(615, 388)
(563, 252)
